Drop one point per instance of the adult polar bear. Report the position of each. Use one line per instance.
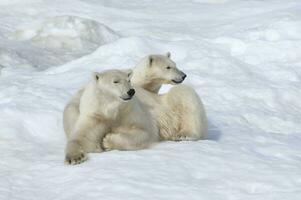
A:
(107, 106)
(180, 112)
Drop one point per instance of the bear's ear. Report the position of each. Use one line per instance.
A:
(129, 72)
(150, 60)
(168, 54)
(96, 76)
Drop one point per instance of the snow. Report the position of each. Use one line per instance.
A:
(68, 33)
(242, 57)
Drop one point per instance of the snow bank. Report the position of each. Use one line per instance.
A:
(10, 2)
(212, 1)
(53, 41)
(67, 33)
(13, 59)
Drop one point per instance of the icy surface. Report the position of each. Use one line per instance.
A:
(242, 57)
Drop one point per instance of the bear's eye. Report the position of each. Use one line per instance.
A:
(168, 67)
(115, 82)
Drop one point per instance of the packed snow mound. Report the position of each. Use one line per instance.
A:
(9, 58)
(52, 42)
(10, 2)
(211, 1)
(68, 33)
(12, 59)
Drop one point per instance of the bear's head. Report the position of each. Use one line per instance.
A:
(162, 69)
(115, 83)
(155, 70)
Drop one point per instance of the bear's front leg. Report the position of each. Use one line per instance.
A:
(88, 132)
(75, 154)
(128, 139)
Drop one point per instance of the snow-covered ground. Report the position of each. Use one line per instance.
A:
(242, 56)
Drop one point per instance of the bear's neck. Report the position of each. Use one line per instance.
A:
(152, 86)
(147, 82)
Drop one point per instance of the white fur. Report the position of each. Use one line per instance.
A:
(98, 113)
(180, 113)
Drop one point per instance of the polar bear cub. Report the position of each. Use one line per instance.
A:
(108, 106)
(180, 113)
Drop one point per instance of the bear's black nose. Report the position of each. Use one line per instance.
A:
(131, 92)
(184, 76)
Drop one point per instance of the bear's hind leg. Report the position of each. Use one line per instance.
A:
(193, 126)
(191, 113)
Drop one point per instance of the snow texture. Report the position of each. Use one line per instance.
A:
(242, 57)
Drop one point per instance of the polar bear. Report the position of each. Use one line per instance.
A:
(180, 112)
(107, 106)
(154, 70)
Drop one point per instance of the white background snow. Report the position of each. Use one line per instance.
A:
(242, 56)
